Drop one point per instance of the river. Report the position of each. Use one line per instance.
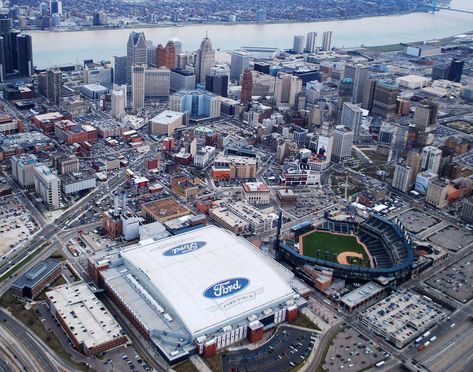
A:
(59, 48)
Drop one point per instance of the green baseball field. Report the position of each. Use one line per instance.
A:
(342, 248)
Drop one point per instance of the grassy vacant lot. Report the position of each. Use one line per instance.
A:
(303, 321)
(185, 366)
(328, 246)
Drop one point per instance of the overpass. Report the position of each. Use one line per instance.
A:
(434, 8)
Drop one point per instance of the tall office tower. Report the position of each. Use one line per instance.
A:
(385, 99)
(137, 87)
(118, 100)
(217, 81)
(246, 86)
(157, 82)
(119, 69)
(14, 48)
(414, 160)
(47, 186)
(327, 40)
(311, 42)
(54, 87)
(198, 103)
(455, 70)
(345, 94)
(359, 73)
(342, 143)
(182, 79)
(177, 45)
(425, 118)
(135, 52)
(166, 56)
(56, 7)
(431, 157)
(205, 59)
(368, 94)
(440, 72)
(261, 15)
(285, 90)
(351, 118)
(43, 9)
(240, 62)
(298, 44)
(6, 51)
(402, 178)
(175, 16)
(185, 59)
(25, 55)
(325, 145)
(150, 54)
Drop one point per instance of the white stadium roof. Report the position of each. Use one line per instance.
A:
(209, 278)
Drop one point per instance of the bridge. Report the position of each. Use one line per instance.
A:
(434, 8)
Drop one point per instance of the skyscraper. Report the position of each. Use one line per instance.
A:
(342, 143)
(285, 90)
(359, 73)
(298, 44)
(118, 101)
(425, 115)
(402, 178)
(119, 69)
(157, 82)
(456, 70)
(385, 99)
(246, 87)
(25, 55)
(311, 42)
(345, 93)
(137, 86)
(431, 157)
(56, 7)
(351, 118)
(205, 59)
(368, 94)
(135, 52)
(217, 81)
(166, 56)
(327, 40)
(5, 30)
(240, 62)
(54, 86)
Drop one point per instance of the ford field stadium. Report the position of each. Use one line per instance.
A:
(360, 251)
(198, 292)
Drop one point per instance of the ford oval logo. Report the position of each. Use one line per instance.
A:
(184, 248)
(226, 288)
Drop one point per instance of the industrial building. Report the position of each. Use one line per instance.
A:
(198, 292)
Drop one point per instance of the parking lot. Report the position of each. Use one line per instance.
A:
(417, 221)
(452, 238)
(353, 351)
(288, 348)
(455, 280)
(16, 224)
(310, 201)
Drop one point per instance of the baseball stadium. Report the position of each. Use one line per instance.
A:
(361, 251)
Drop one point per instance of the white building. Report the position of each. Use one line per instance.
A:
(73, 183)
(22, 168)
(431, 157)
(342, 143)
(298, 44)
(412, 81)
(256, 193)
(402, 178)
(311, 42)
(47, 186)
(286, 88)
(327, 40)
(204, 156)
(157, 82)
(118, 101)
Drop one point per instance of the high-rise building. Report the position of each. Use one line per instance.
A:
(56, 7)
(240, 62)
(385, 99)
(286, 88)
(119, 69)
(150, 54)
(246, 86)
(197, 103)
(440, 72)
(25, 55)
(359, 73)
(345, 93)
(47, 187)
(402, 179)
(342, 143)
(205, 59)
(431, 157)
(311, 42)
(182, 79)
(135, 52)
(137, 87)
(298, 44)
(327, 40)
(351, 118)
(261, 15)
(118, 101)
(437, 193)
(368, 94)
(22, 167)
(166, 56)
(455, 70)
(467, 210)
(217, 81)
(425, 118)
(157, 82)
(6, 55)
(324, 147)
(54, 86)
